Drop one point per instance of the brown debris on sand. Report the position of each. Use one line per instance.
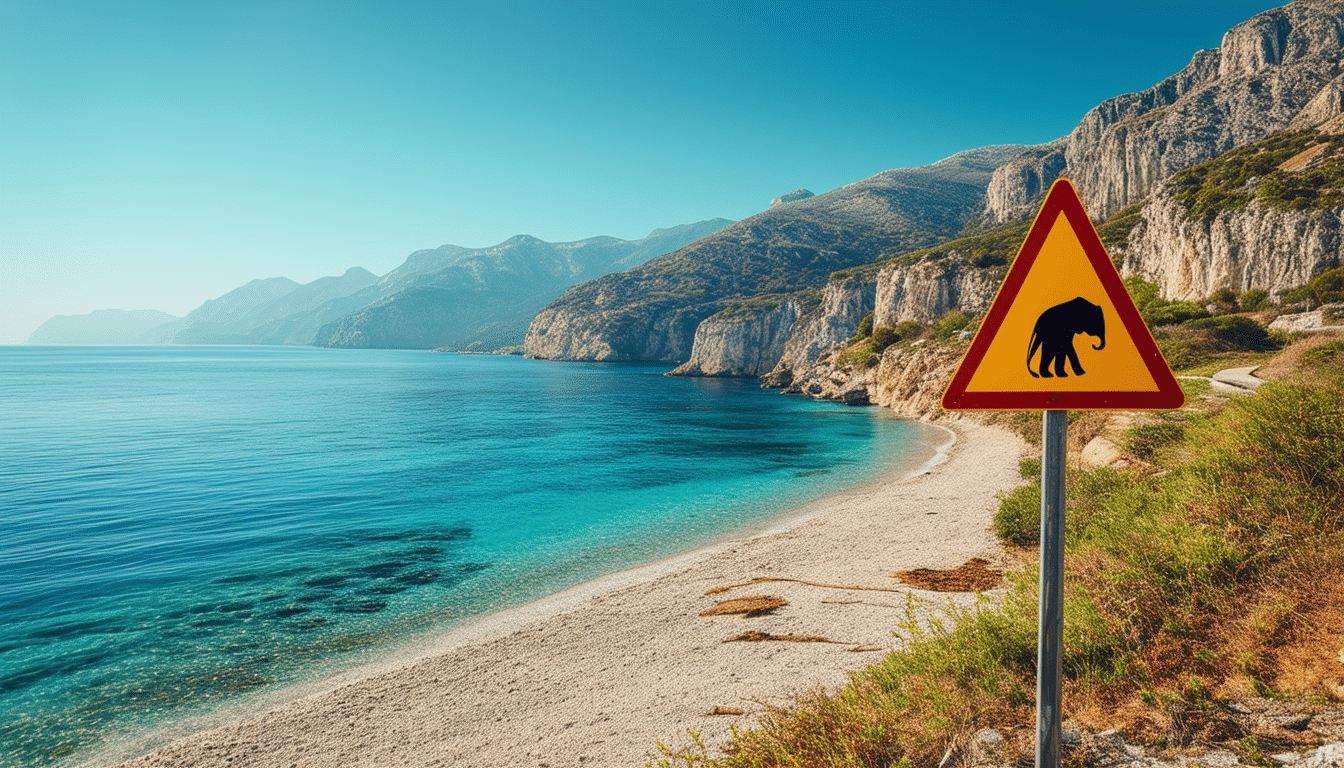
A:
(974, 575)
(725, 711)
(756, 637)
(751, 605)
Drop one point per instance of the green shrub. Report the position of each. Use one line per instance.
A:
(909, 329)
(1237, 331)
(1114, 233)
(1299, 295)
(1328, 287)
(1173, 313)
(865, 328)
(948, 325)
(884, 337)
(1253, 300)
(1143, 292)
(1224, 300)
(1144, 440)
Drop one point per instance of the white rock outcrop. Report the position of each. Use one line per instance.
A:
(1253, 247)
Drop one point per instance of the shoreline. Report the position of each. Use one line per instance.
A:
(600, 672)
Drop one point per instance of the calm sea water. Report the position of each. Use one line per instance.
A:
(185, 527)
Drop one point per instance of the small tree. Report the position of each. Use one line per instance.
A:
(865, 327)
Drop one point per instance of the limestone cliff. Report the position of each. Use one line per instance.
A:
(1258, 246)
(927, 290)
(1267, 71)
(748, 338)
(908, 378)
(911, 380)
(844, 302)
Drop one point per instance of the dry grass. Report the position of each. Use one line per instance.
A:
(751, 605)
(1289, 362)
(974, 575)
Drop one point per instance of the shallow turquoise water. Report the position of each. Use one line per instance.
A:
(188, 525)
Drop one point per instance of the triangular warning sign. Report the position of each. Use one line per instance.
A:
(1063, 333)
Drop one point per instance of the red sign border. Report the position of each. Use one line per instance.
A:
(1063, 198)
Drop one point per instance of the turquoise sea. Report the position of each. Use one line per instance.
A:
(191, 528)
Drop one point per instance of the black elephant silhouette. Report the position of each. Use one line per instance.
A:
(1054, 332)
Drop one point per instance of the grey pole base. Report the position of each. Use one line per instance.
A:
(1049, 669)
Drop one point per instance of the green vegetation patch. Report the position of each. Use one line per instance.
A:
(868, 343)
(1233, 179)
(807, 299)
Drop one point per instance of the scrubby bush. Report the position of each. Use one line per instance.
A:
(1019, 517)
(1223, 301)
(865, 328)
(1144, 440)
(1173, 313)
(909, 329)
(1253, 300)
(1143, 292)
(884, 337)
(1235, 331)
(948, 325)
(1328, 287)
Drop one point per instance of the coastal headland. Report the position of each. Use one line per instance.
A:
(598, 676)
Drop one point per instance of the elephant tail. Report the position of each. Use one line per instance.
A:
(1035, 344)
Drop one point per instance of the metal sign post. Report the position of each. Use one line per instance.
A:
(1050, 642)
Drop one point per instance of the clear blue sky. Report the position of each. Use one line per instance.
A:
(157, 154)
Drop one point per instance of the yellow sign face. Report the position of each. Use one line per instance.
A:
(1063, 333)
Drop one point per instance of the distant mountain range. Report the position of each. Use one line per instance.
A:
(448, 297)
(105, 326)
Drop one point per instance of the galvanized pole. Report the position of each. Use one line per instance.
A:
(1049, 668)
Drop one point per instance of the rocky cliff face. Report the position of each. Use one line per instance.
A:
(1268, 70)
(1019, 185)
(909, 378)
(1254, 247)
(927, 290)
(745, 341)
(651, 312)
(844, 303)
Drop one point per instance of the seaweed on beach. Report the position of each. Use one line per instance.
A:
(757, 637)
(974, 575)
(749, 606)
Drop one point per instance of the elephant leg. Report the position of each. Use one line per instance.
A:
(1058, 357)
(1047, 357)
(1073, 358)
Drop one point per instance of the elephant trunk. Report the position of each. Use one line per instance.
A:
(1101, 336)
